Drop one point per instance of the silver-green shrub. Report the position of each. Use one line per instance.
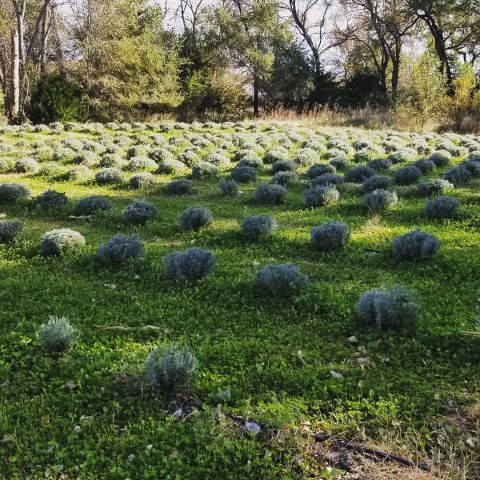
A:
(194, 218)
(204, 170)
(139, 212)
(416, 246)
(375, 183)
(179, 187)
(436, 186)
(59, 241)
(283, 166)
(282, 280)
(244, 174)
(229, 188)
(319, 196)
(142, 180)
(9, 230)
(192, 264)
(257, 226)
(379, 200)
(120, 249)
(407, 175)
(441, 207)
(270, 194)
(91, 205)
(359, 174)
(109, 176)
(57, 335)
(329, 236)
(170, 369)
(51, 200)
(392, 309)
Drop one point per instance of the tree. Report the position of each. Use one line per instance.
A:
(124, 60)
(310, 19)
(248, 31)
(24, 37)
(452, 24)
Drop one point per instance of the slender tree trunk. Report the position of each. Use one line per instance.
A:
(396, 59)
(15, 77)
(256, 88)
(44, 39)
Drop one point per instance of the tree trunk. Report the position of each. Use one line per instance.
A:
(15, 77)
(256, 88)
(396, 59)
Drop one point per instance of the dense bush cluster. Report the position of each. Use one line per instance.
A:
(441, 207)
(139, 212)
(192, 264)
(9, 230)
(281, 281)
(10, 192)
(57, 335)
(270, 194)
(194, 218)
(91, 205)
(329, 236)
(392, 309)
(59, 241)
(120, 249)
(170, 369)
(415, 246)
(319, 196)
(255, 227)
(379, 200)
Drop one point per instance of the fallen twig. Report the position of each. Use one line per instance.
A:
(377, 454)
(122, 328)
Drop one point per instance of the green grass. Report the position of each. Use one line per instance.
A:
(244, 342)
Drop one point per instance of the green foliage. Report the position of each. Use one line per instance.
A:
(55, 98)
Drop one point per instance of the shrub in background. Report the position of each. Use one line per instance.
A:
(142, 180)
(320, 196)
(192, 264)
(284, 178)
(139, 212)
(329, 236)
(437, 186)
(458, 176)
(179, 187)
(91, 205)
(244, 174)
(257, 226)
(229, 188)
(392, 309)
(283, 166)
(26, 165)
(204, 170)
(169, 166)
(109, 176)
(379, 200)
(270, 194)
(407, 175)
(170, 369)
(375, 183)
(9, 230)
(54, 98)
(57, 335)
(120, 249)
(194, 218)
(441, 158)
(441, 207)
(415, 246)
(319, 169)
(51, 200)
(282, 280)
(359, 174)
(328, 180)
(59, 241)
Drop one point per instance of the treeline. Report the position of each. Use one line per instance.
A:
(108, 60)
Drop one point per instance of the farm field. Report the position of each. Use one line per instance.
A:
(294, 357)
